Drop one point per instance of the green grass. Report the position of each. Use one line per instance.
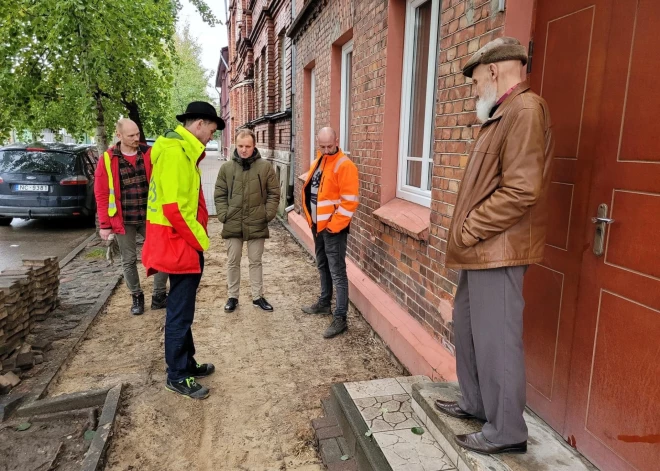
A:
(96, 253)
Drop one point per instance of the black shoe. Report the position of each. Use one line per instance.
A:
(337, 327)
(202, 370)
(138, 304)
(159, 301)
(452, 408)
(231, 305)
(263, 304)
(317, 308)
(188, 387)
(478, 443)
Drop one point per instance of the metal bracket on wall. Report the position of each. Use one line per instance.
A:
(501, 6)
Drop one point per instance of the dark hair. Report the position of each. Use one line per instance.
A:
(246, 132)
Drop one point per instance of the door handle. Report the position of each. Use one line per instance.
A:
(601, 220)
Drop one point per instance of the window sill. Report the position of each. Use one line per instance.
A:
(303, 177)
(410, 218)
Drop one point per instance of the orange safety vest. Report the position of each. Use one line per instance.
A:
(338, 196)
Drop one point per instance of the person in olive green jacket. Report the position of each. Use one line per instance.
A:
(247, 195)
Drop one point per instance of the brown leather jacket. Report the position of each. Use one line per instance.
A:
(501, 216)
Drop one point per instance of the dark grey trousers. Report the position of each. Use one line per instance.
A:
(128, 248)
(330, 252)
(490, 362)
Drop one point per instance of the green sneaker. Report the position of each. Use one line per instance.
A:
(188, 387)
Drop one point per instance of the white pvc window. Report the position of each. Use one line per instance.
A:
(417, 101)
(312, 118)
(346, 111)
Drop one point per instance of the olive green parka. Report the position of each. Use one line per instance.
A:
(247, 195)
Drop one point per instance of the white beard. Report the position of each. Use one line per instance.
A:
(486, 103)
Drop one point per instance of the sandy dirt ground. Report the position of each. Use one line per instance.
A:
(272, 371)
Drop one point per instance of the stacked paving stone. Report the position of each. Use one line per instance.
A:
(3, 321)
(29, 294)
(16, 294)
(46, 279)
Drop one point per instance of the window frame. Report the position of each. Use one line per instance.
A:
(404, 191)
(344, 132)
(312, 117)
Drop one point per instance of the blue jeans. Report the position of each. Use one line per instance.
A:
(179, 345)
(331, 261)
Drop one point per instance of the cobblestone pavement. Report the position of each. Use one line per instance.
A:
(87, 275)
(81, 283)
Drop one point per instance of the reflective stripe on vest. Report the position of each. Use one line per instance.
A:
(112, 202)
(339, 162)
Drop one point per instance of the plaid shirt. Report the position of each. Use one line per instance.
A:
(134, 188)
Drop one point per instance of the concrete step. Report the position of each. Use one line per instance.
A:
(547, 451)
(376, 419)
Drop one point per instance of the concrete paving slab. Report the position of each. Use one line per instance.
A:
(547, 451)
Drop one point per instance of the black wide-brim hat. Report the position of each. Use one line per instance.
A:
(201, 110)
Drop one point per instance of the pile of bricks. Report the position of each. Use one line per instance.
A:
(3, 323)
(27, 294)
(17, 295)
(46, 277)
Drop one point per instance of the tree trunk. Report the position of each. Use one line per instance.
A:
(101, 134)
(134, 114)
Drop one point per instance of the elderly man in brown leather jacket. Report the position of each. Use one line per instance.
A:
(498, 230)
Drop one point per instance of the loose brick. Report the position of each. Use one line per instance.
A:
(328, 432)
(348, 465)
(324, 422)
(330, 451)
(25, 361)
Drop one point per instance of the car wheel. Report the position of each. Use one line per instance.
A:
(5, 221)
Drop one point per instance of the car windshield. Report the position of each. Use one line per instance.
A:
(24, 161)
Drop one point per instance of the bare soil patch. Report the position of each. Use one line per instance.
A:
(272, 369)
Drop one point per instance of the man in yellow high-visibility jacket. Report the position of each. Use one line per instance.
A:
(177, 238)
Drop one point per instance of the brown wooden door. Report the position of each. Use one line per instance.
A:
(614, 394)
(592, 322)
(570, 40)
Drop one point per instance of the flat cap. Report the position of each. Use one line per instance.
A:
(498, 50)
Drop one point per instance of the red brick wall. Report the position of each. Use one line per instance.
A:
(263, 96)
(412, 271)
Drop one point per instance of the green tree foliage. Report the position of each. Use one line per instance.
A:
(79, 64)
(190, 79)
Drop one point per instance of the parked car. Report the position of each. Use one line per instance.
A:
(150, 142)
(47, 181)
(212, 145)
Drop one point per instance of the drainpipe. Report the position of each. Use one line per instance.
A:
(292, 97)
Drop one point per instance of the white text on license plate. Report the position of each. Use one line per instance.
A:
(32, 187)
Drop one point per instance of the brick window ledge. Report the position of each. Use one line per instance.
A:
(410, 218)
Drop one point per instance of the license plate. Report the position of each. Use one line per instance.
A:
(31, 187)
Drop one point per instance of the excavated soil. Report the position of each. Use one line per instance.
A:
(272, 370)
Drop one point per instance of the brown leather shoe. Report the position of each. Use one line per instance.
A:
(477, 442)
(452, 408)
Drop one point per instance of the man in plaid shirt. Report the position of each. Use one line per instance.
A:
(121, 187)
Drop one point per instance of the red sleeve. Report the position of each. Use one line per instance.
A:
(101, 192)
(147, 163)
